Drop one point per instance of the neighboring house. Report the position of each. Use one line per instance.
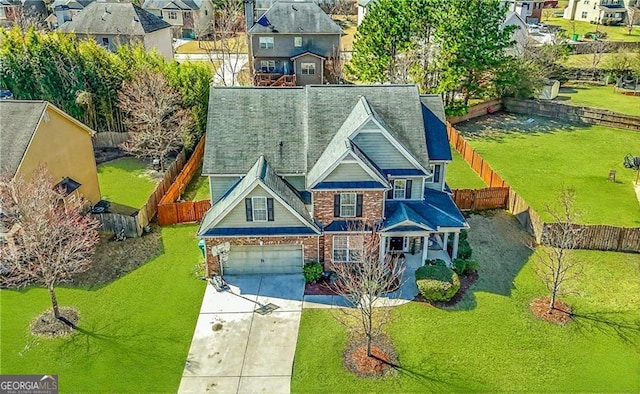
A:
(291, 170)
(25, 12)
(65, 11)
(520, 34)
(8, 12)
(362, 10)
(603, 11)
(188, 18)
(529, 10)
(290, 43)
(114, 24)
(37, 132)
(259, 7)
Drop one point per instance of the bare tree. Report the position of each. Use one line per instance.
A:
(154, 115)
(363, 278)
(228, 48)
(335, 66)
(54, 240)
(632, 14)
(556, 265)
(547, 13)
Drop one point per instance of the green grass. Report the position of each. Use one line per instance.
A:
(539, 159)
(460, 175)
(614, 33)
(125, 182)
(585, 60)
(603, 97)
(198, 188)
(491, 342)
(134, 334)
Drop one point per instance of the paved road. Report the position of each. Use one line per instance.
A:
(235, 350)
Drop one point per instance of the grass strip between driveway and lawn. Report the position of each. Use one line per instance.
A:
(134, 333)
(491, 342)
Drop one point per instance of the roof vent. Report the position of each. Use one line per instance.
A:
(293, 7)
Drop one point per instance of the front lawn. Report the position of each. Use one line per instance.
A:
(134, 333)
(614, 33)
(460, 175)
(491, 342)
(538, 158)
(126, 182)
(603, 97)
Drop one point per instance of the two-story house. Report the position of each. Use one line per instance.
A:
(296, 172)
(290, 43)
(600, 11)
(188, 18)
(114, 24)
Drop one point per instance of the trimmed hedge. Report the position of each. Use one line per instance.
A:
(464, 250)
(437, 283)
(462, 266)
(438, 262)
(312, 271)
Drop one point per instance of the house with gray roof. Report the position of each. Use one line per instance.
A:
(293, 171)
(114, 24)
(290, 43)
(188, 18)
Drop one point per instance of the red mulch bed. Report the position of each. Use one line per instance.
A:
(321, 288)
(560, 314)
(466, 281)
(382, 363)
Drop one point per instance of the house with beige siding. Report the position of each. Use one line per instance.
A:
(188, 18)
(601, 11)
(296, 172)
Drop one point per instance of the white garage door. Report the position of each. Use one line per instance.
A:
(277, 259)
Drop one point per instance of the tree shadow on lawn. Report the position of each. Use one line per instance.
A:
(618, 323)
(497, 126)
(499, 245)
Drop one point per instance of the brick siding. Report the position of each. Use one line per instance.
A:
(372, 205)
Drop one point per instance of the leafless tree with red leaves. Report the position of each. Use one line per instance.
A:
(54, 239)
(366, 281)
(155, 117)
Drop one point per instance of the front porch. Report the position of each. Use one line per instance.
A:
(420, 247)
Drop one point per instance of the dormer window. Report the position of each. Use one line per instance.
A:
(259, 209)
(401, 190)
(266, 42)
(435, 170)
(297, 42)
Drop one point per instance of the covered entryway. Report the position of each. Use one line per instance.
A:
(264, 259)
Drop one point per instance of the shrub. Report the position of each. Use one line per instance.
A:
(464, 250)
(312, 271)
(457, 108)
(436, 262)
(462, 266)
(437, 283)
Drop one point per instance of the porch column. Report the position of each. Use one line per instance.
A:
(425, 248)
(383, 241)
(454, 252)
(445, 239)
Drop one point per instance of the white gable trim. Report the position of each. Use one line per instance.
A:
(268, 190)
(410, 223)
(383, 130)
(353, 159)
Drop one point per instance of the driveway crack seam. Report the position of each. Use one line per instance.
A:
(248, 337)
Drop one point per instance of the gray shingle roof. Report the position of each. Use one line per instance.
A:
(263, 172)
(114, 18)
(245, 123)
(297, 17)
(172, 4)
(18, 123)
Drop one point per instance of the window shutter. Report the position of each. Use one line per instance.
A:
(436, 171)
(407, 193)
(390, 193)
(270, 209)
(359, 205)
(247, 204)
(336, 205)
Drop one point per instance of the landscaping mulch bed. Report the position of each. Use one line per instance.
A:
(320, 288)
(383, 362)
(466, 281)
(114, 259)
(560, 314)
(48, 325)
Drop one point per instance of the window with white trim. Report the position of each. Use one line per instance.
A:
(435, 171)
(266, 42)
(259, 207)
(297, 42)
(308, 68)
(346, 248)
(584, 14)
(267, 66)
(348, 205)
(173, 15)
(399, 189)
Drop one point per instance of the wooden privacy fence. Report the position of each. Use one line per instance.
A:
(479, 199)
(109, 139)
(477, 110)
(172, 212)
(115, 222)
(501, 195)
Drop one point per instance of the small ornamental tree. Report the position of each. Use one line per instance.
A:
(54, 239)
(363, 278)
(154, 115)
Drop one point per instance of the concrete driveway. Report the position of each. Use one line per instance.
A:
(234, 349)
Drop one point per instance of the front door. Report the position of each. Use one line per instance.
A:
(396, 244)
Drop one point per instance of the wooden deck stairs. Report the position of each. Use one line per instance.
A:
(264, 79)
